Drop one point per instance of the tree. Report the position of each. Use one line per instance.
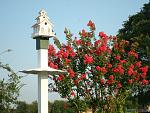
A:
(9, 89)
(60, 106)
(137, 31)
(101, 74)
(22, 107)
(33, 107)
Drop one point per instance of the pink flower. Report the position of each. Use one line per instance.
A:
(83, 33)
(102, 81)
(118, 69)
(65, 54)
(67, 60)
(52, 65)
(102, 34)
(114, 38)
(68, 48)
(130, 81)
(130, 69)
(133, 53)
(88, 59)
(109, 65)
(72, 54)
(56, 61)
(116, 91)
(91, 25)
(117, 57)
(76, 82)
(83, 76)
(137, 78)
(90, 34)
(126, 42)
(98, 52)
(71, 73)
(122, 51)
(78, 42)
(102, 48)
(144, 69)
(103, 70)
(130, 72)
(88, 43)
(111, 77)
(119, 66)
(116, 46)
(98, 68)
(138, 64)
(121, 71)
(60, 78)
(144, 82)
(135, 72)
(119, 85)
(109, 82)
(72, 93)
(97, 42)
(51, 50)
(123, 61)
(131, 66)
(143, 75)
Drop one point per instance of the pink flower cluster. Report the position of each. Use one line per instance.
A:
(92, 64)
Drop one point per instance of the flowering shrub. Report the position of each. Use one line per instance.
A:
(100, 71)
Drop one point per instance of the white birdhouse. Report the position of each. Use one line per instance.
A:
(43, 27)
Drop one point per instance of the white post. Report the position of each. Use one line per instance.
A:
(42, 81)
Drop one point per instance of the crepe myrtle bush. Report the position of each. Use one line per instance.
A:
(101, 74)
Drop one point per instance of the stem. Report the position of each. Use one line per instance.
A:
(93, 109)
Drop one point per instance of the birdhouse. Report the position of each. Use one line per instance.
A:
(43, 27)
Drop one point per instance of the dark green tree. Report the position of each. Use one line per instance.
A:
(137, 31)
(9, 89)
(22, 107)
(33, 107)
(60, 106)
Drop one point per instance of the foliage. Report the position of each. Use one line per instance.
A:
(57, 106)
(101, 73)
(131, 103)
(9, 89)
(22, 107)
(136, 31)
(33, 107)
(144, 98)
(61, 107)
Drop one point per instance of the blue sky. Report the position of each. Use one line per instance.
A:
(17, 17)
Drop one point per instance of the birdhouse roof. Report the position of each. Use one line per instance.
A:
(45, 20)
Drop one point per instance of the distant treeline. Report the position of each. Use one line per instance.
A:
(57, 106)
(60, 106)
